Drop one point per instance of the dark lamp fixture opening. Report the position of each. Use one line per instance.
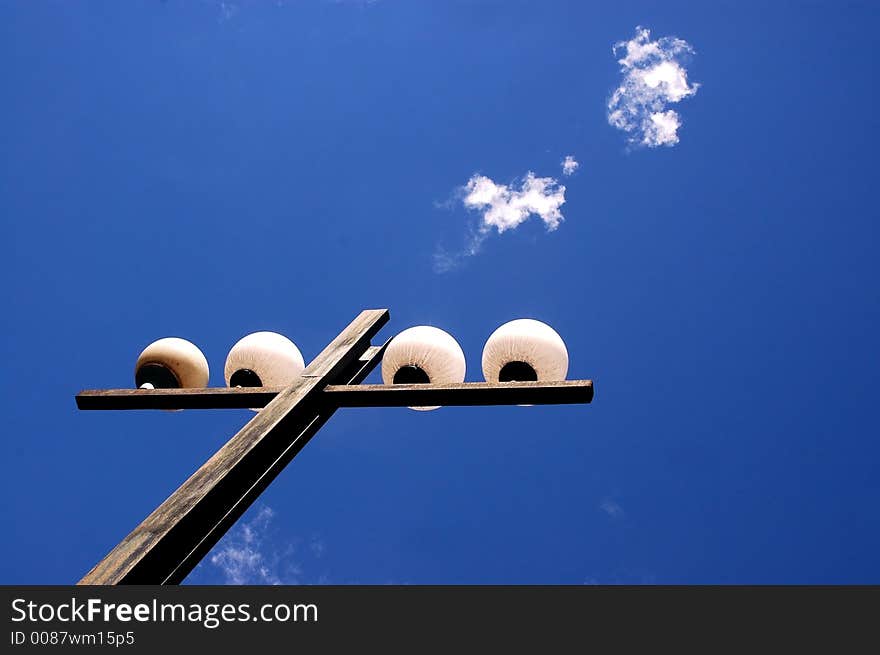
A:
(157, 375)
(244, 377)
(517, 372)
(410, 375)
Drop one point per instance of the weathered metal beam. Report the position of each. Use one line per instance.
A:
(210, 398)
(354, 373)
(466, 393)
(372, 395)
(165, 547)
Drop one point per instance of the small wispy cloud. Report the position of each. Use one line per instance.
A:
(504, 207)
(569, 165)
(240, 557)
(253, 553)
(228, 10)
(317, 546)
(445, 261)
(611, 508)
(654, 76)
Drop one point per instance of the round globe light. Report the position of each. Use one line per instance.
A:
(171, 363)
(263, 359)
(423, 355)
(525, 350)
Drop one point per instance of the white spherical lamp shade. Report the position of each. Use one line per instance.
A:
(263, 359)
(171, 363)
(423, 355)
(525, 350)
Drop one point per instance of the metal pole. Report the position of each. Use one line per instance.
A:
(168, 544)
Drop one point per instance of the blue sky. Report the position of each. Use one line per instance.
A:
(209, 169)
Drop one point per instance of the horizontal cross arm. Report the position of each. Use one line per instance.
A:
(367, 395)
(463, 394)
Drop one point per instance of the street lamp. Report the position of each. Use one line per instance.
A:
(168, 544)
(423, 355)
(171, 363)
(263, 359)
(525, 350)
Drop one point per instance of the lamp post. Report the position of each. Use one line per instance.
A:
(169, 543)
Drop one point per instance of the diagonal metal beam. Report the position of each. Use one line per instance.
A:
(171, 540)
(354, 373)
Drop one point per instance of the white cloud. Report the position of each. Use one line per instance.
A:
(252, 554)
(663, 128)
(653, 77)
(239, 556)
(569, 165)
(505, 207)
